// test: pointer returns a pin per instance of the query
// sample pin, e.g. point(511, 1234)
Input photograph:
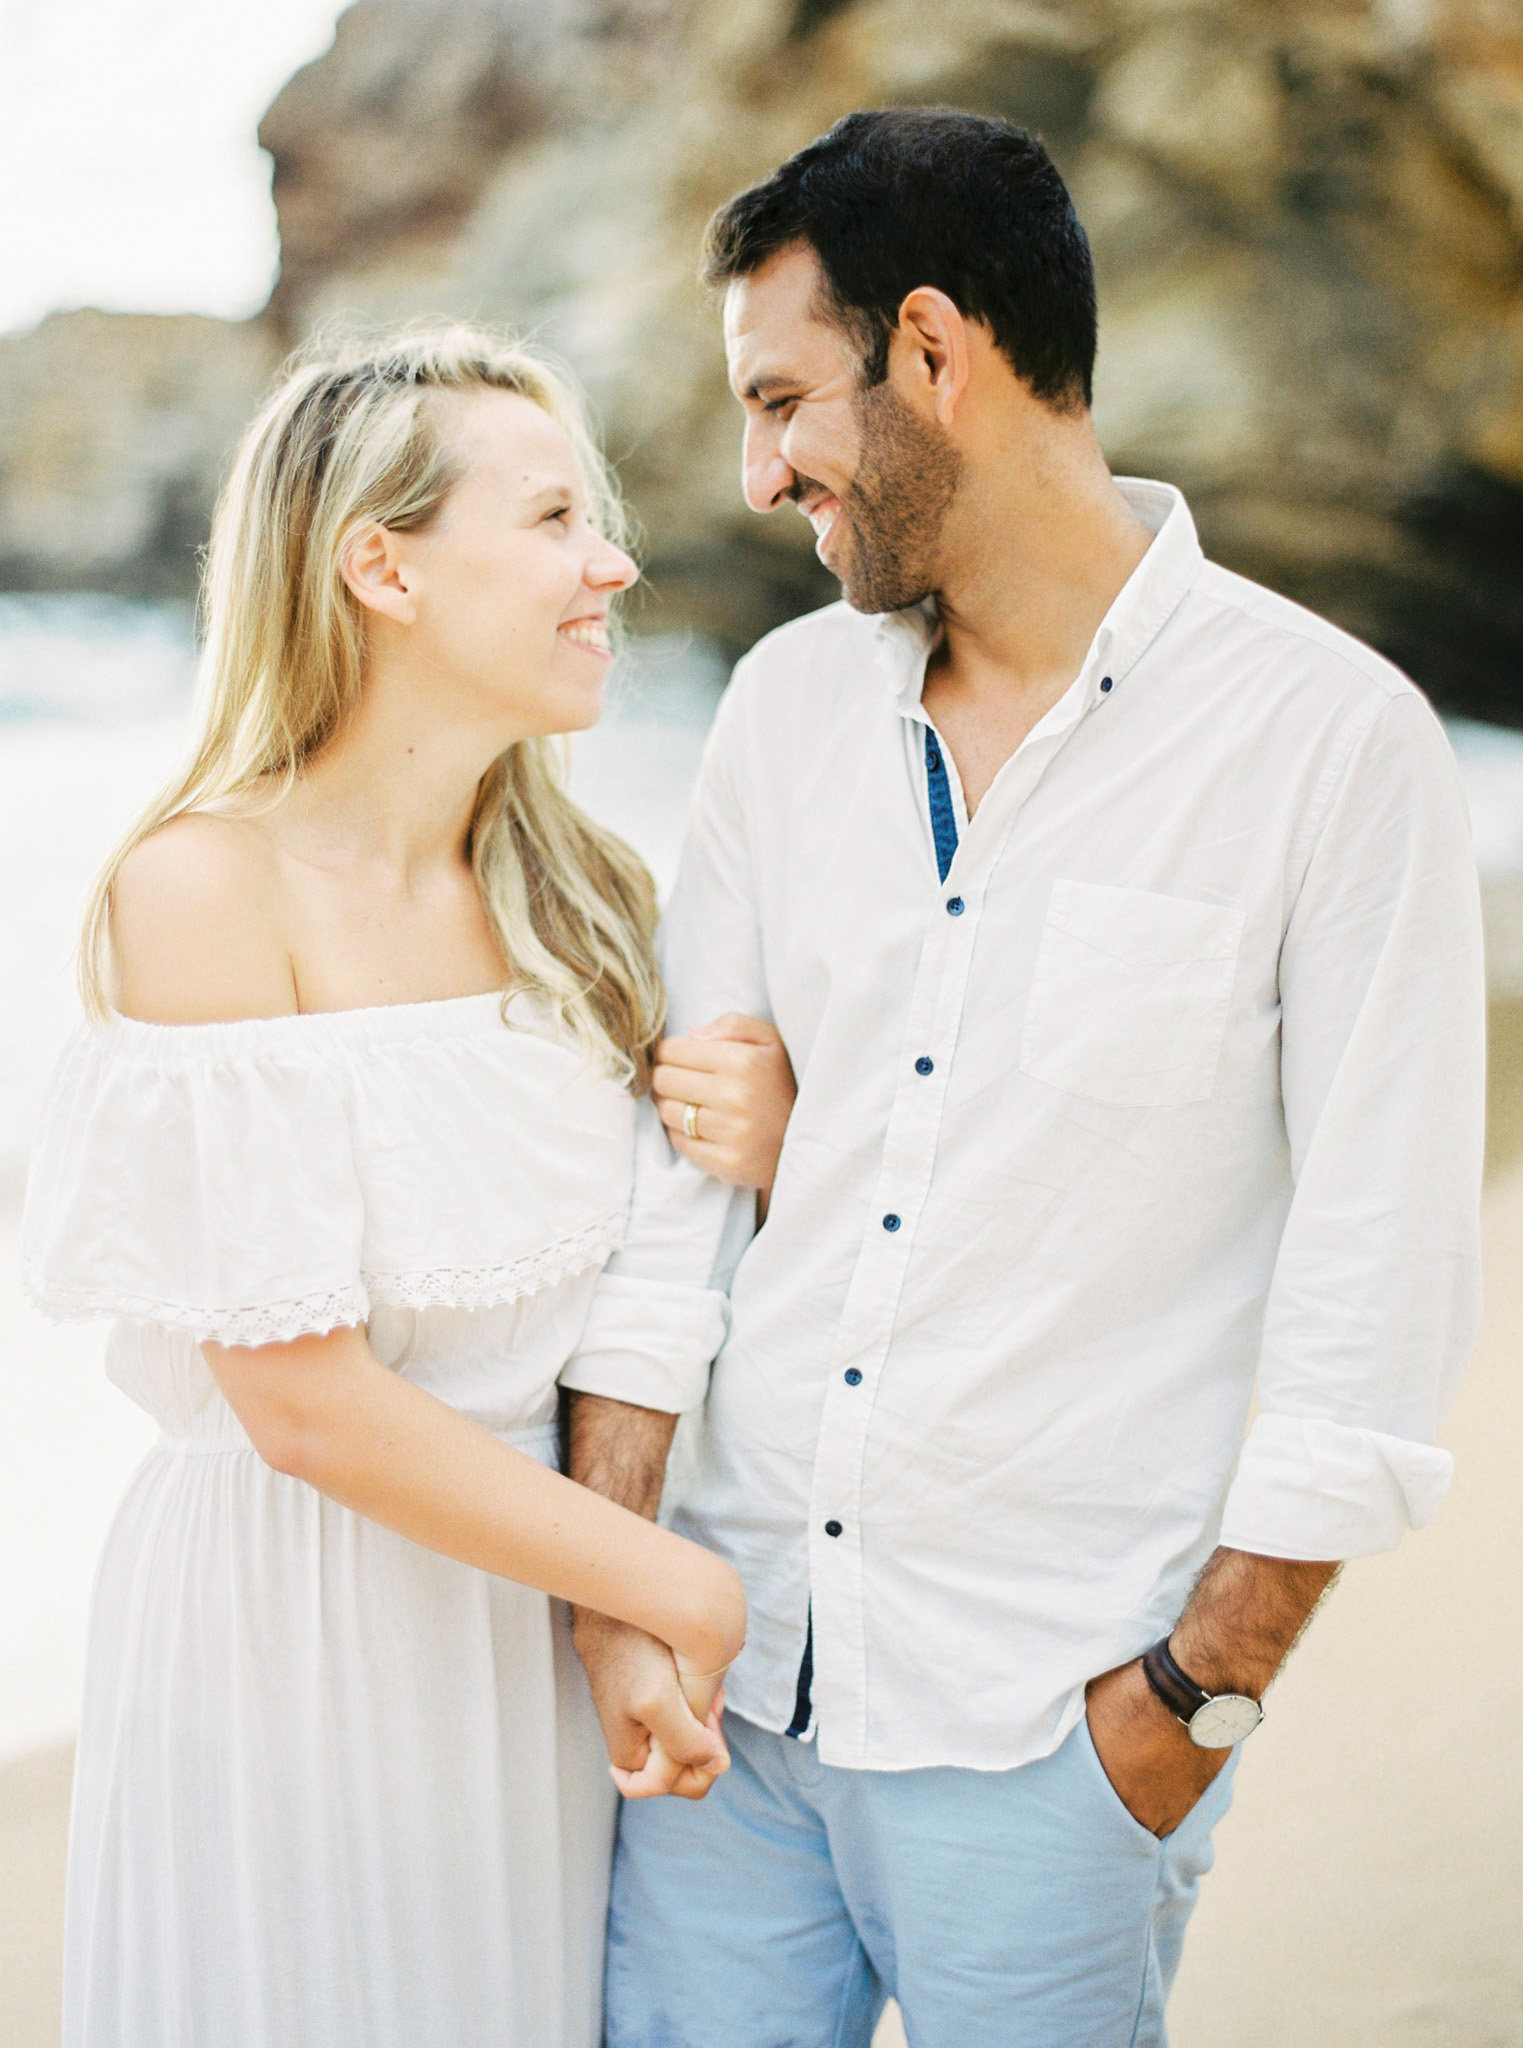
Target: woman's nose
point(611, 569)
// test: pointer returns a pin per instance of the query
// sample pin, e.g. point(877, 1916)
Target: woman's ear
point(372, 568)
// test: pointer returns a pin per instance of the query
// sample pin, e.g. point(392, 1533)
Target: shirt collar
point(1138, 614)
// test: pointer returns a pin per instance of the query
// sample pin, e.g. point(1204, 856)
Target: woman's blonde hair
point(347, 438)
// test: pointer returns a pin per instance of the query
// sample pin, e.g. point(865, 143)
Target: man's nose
point(766, 477)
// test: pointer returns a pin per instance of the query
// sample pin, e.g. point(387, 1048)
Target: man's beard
point(896, 504)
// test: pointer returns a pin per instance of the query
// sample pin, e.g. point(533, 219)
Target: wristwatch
point(1214, 1720)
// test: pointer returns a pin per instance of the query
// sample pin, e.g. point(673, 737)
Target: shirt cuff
point(1311, 1489)
point(648, 1342)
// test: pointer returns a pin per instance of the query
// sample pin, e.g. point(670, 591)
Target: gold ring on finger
point(689, 1119)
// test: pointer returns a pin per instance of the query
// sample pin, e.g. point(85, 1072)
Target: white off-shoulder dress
point(333, 1790)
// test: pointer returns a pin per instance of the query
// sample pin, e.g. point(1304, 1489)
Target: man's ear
point(932, 342)
point(374, 572)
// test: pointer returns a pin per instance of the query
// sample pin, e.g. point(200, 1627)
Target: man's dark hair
point(931, 196)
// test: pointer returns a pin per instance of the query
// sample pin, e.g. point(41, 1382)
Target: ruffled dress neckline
point(469, 1016)
point(277, 1177)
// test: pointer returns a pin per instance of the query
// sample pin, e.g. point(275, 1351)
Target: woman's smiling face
point(510, 583)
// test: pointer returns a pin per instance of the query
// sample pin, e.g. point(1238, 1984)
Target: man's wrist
point(1211, 1720)
point(618, 1450)
point(1127, 1700)
point(1215, 1672)
point(589, 1623)
point(1244, 1617)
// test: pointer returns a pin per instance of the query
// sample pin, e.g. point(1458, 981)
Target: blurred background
point(1307, 217)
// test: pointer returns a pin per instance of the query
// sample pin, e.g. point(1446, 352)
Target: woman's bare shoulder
point(197, 935)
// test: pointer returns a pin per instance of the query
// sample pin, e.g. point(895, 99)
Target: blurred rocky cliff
point(1307, 217)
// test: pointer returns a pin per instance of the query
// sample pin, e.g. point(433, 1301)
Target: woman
point(344, 1149)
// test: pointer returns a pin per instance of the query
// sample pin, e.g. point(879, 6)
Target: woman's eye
point(561, 512)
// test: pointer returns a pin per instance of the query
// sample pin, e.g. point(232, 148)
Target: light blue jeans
point(1003, 1909)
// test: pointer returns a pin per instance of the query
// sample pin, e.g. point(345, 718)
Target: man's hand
point(1242, 1621)
point(1157, 1772)
point(654, 1742)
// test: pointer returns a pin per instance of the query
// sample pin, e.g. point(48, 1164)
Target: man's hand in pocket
point(1157, 1772)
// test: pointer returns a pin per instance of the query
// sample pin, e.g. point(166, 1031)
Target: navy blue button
point(832, 1528)
point(954, 906)
point(933, 760)
point(1105, 682)
point(891, 1222)
point(924, 1065)
point(853, 1377)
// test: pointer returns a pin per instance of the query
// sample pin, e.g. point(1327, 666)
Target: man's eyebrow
point(769, 382)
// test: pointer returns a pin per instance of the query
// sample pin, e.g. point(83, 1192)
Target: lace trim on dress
point(492, 1286)
point(314, 1315)
point(273, 1322)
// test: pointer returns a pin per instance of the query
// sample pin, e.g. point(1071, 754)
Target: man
point(1121, 923)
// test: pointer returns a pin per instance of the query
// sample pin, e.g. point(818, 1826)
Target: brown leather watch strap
point(1179, 1692)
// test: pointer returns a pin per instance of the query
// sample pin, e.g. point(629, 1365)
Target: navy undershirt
point(939, 793)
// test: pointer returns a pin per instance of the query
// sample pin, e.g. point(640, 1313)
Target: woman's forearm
point(326, 1411)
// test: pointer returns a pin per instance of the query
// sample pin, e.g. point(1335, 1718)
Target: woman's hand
point(663, 1732)
point(735, 1076)
point(326, 1411)
point(662, 1775)
point(704, 1697)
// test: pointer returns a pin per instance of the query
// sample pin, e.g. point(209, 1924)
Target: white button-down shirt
point(1169, 1096)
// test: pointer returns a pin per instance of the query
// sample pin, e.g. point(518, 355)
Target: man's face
point(873, 472)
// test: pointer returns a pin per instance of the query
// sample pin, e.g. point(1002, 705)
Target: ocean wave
point(88, 657)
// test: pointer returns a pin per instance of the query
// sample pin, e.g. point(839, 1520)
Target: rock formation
point(1307, 217)
point(382, 148)
point(113, 431)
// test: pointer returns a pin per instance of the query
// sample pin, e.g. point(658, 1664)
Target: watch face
point(1224, 1721)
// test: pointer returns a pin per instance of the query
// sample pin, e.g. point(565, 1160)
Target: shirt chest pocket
point(1130, 993)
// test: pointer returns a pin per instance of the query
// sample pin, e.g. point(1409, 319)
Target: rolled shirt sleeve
point(655, 1323)
point(1375, 1299)
point(660, 1312)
